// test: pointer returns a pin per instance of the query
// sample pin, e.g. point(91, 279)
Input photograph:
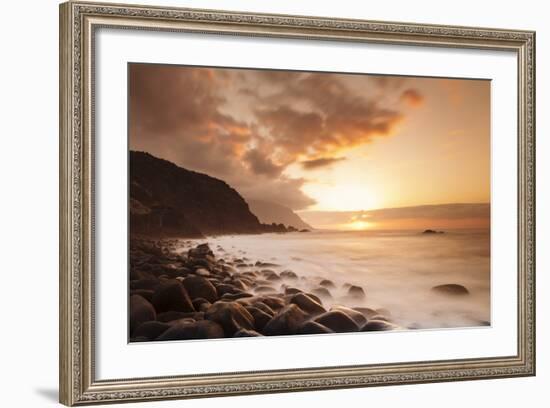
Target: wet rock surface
point(451, 289)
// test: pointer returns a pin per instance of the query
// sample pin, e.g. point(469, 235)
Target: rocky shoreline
point(196, 295)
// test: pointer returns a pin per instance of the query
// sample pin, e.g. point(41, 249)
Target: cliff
point(269, 213)
point(167, 200)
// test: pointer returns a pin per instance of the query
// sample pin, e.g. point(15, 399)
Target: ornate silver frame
point(78, 21)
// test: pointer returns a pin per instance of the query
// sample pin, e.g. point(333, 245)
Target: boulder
point(224, 288)
point(239, 283)
point(171, 295)
point(265, 289)
point(146, 293)
point(286, 322)
point(307, 304)
point(200, 287)
point(140, 311)
point(201, 251)
point(188, 330)
point(378, 325)
point(202, 272)
point(273, 302)
point(311, 327)
point(366, 311)
point(357, 317)
point(261, 318)
point(315, 297)
point(327, 283)
point(289, 275)
point(264, 308)
point(149, 284)
point(322, 292)
point(451, 289)
point(270, 275)
point(232, 316)
point(236, 296)
point(356, 292)
point(151, 330)
point(337, 321)
point(292, 291)
point(201, 304)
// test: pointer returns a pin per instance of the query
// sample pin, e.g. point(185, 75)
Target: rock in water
point(322, 292)
point(287, 321)
point(200, 287)
point(290, 275)
point(378, 325)
point(313, 328)
point(357, 317)
point(140, 311)
point(366, 311)
point(451, 289)
point(187, 330)
point(356, 292)
point(337, 321)
point(201, 251)
point(264, 308)
point(327, 283)
point(172, 296)
point(273, 302)
point(307, 304)
point(232, 316)
point(151, 330)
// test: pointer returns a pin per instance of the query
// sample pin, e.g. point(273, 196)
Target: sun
point(358, 225)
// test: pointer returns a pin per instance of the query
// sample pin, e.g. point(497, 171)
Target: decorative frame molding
point(78, 20)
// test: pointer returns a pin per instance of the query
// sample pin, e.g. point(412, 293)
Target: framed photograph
point(258, 203)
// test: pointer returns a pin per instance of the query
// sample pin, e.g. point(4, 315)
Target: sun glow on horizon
point(358, 225)
point(343, 197)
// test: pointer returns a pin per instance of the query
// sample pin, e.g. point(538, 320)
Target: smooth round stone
point(307, 304)
point(232, 316)
point(171, 295)
point(357, 317)
point(140, 311)
point(451, 289)
point(187, 330)
point(356, 292)
point(286, 322)
point(378, 325)
point(200, 287)
point(312, 327)
point(337, 321)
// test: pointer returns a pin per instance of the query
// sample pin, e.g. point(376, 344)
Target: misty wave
point(397, 270)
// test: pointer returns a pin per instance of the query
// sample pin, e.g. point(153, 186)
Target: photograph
point(268, 202)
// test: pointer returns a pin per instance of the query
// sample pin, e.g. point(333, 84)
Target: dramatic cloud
point(318, 163)
point(247, 126)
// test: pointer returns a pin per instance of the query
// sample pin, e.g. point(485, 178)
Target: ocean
point(396, 269)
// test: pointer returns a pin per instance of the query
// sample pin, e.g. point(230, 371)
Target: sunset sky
point(332, 147)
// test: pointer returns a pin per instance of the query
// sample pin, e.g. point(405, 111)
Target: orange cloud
point(322, 162)
point(247, 126)
point(412, 97)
